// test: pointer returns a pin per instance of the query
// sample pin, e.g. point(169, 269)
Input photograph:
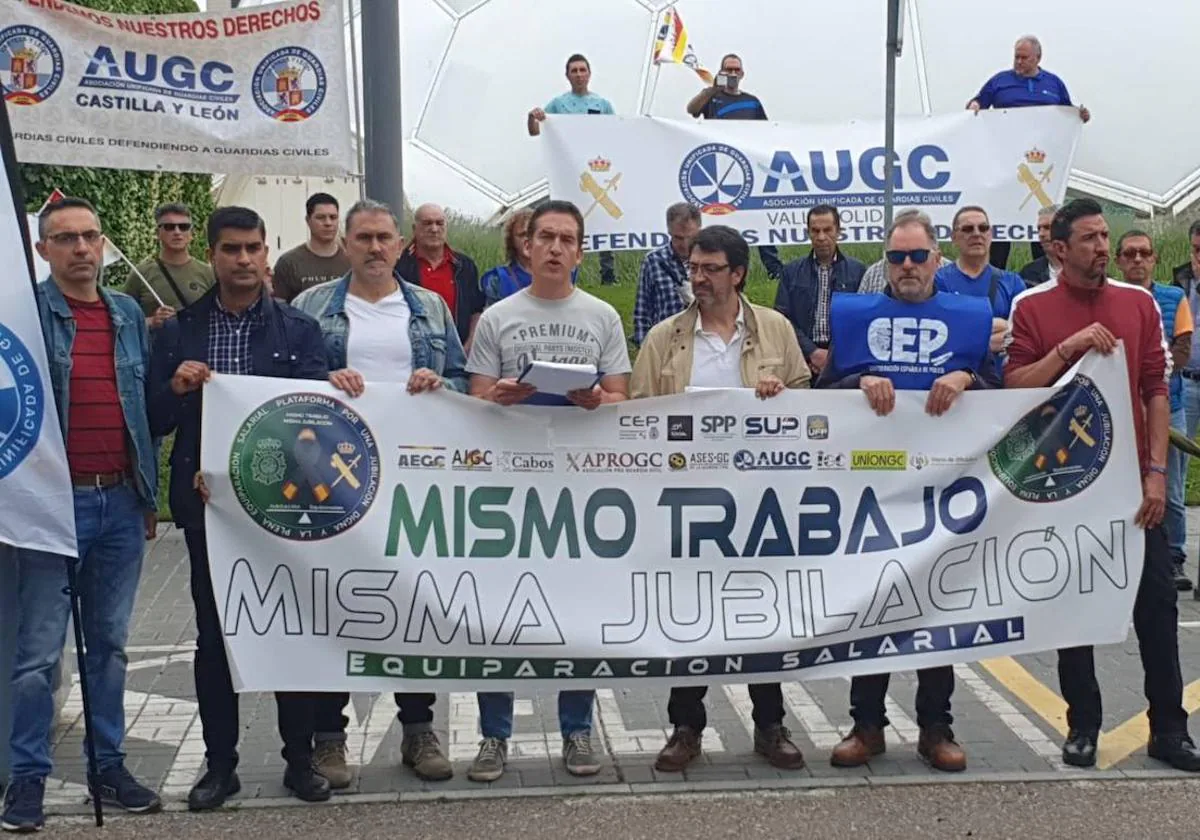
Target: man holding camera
point(725, 100)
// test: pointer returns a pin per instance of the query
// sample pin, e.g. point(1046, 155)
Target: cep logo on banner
point(909, 340)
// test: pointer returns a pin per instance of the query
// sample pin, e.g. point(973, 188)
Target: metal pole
point(889, 116)
point(80, 656)
point(383, 137)
point(357, 94)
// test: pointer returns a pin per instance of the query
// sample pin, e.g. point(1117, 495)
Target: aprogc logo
point(720, 179)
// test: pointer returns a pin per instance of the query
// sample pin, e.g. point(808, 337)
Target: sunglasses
point(919, 256)
point(182, 227)
point(1133, 253)
point(969, 229)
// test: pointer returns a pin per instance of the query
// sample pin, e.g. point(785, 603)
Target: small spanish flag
point(674, 47)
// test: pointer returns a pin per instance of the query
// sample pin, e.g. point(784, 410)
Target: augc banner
point(259, 90)
point(763, 177)
point(438, 542)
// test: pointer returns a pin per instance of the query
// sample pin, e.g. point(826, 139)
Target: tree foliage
point(125, 198)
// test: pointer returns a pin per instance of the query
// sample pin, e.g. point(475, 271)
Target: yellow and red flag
point(673, 46)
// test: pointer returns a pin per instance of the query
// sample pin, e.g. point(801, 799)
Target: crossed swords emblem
point(600, 194)
point(1035, 185)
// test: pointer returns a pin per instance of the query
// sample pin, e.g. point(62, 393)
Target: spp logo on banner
point(35, 65)
point(774, 426)
point(304, 467)
point(289, 84)
point(22, 402)
point(909, 340)
point(721, 179)
point(718, 426)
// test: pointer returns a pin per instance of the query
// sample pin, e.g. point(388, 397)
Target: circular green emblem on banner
point(1059, 449)
point(305, 466)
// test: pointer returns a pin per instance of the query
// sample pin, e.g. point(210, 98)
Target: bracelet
point(1155, 468)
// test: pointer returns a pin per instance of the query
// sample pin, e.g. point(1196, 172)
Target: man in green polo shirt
point(178, 278)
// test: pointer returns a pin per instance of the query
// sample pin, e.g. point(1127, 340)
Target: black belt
point(1193, 375)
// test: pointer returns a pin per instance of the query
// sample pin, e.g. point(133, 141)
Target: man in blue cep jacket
point(860, 359)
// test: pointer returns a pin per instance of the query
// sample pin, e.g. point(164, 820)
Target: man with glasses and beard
point(176, 277)
point(912, 258)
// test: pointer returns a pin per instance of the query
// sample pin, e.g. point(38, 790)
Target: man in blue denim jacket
point(380, 328)
point(97, 348)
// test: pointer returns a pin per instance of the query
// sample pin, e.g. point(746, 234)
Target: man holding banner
point(98, 349)
point(868, 334)
point(722, 341)
point(1052, 326)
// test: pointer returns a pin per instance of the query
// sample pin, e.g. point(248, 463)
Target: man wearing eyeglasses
point(97, 347)
point(176, 277)
point(971, 274)
point(912, 256)
point(1136, 259)
point(721, 340)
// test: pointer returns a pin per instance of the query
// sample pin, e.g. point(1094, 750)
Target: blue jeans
point(1176, 519)
point(111, 533)
point(8, 645)
point(496, 713)
point(1177, 463)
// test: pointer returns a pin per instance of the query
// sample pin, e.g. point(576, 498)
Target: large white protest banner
point(439, 542)
point(35, 483)
point(260, 90)
point(763, 177)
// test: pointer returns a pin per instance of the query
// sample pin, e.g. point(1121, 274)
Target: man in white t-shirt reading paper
point(550, 321)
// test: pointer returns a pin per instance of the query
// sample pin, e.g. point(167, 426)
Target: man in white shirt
point(378, 328)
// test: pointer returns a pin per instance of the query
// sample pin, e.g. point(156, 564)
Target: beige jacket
point(664, 364)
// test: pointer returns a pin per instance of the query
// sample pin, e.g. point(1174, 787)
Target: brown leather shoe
point(682, 748)
point(860, 746)
point(938, 747)
point(776, 744)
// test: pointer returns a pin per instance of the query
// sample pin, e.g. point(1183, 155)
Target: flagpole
point(648, 103)
point(359, 134)
point(134, 269)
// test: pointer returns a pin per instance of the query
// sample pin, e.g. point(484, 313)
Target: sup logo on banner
point(1059, 449)
point(21, 402)
point(35, 65)
point(305, 467)
point(289, 84)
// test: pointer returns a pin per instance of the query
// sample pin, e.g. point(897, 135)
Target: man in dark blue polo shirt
point(1024, 86)
point(725, 100)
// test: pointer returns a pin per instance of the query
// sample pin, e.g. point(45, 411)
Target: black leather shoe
point(1176, 750)
point(1079, 750)
point(306, 783)
point(214, 787)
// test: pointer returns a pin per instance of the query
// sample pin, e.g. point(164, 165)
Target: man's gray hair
point(369, 205)
point(1031, 40)
point(682, 212)
point(912, 218)
point(1048, 210)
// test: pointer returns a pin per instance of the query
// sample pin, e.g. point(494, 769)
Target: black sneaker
point(116, 786)
point(1177, 750)
point(1079, 750)
point(1183, 583)
point(23, 810)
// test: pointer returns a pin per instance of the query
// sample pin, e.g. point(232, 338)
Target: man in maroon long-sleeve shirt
point(1051, 327)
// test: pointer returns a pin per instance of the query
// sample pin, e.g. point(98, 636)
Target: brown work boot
point(860, 746)
point(423, 753)
point(938, 747)
point(681, 749)
point(329, 759)
point(775, 743)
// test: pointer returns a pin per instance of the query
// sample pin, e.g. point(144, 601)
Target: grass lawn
point(485, 246)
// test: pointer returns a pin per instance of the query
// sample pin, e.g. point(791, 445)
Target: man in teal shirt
point(578, 100)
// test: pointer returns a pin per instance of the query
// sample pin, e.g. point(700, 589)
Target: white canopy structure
point(472, 69)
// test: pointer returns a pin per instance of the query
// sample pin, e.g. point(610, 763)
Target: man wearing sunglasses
point(857, 360)
point(176, 277)
point(1136, 259)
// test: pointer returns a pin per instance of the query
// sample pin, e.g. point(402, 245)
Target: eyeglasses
point(66, 239)
point(1134, 253)
point(182, 227)
point(707, 269)
point(984, 227)
point(919, 256)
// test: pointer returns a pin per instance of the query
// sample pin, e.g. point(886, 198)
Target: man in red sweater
point(1052, 326)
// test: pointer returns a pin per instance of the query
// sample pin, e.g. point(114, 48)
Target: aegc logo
point(908, 340)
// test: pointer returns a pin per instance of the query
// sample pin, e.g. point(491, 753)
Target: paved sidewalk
point(1008, 717)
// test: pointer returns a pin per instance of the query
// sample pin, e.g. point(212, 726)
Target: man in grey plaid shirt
point(663, 287)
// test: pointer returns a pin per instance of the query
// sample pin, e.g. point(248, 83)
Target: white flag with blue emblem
point(35, 483)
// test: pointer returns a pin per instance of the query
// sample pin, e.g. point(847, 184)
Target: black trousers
point(214, 686)
point(331, 718)
point(934, 688)
point(998, 255)
point(686, 706)
point(1155, 617)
